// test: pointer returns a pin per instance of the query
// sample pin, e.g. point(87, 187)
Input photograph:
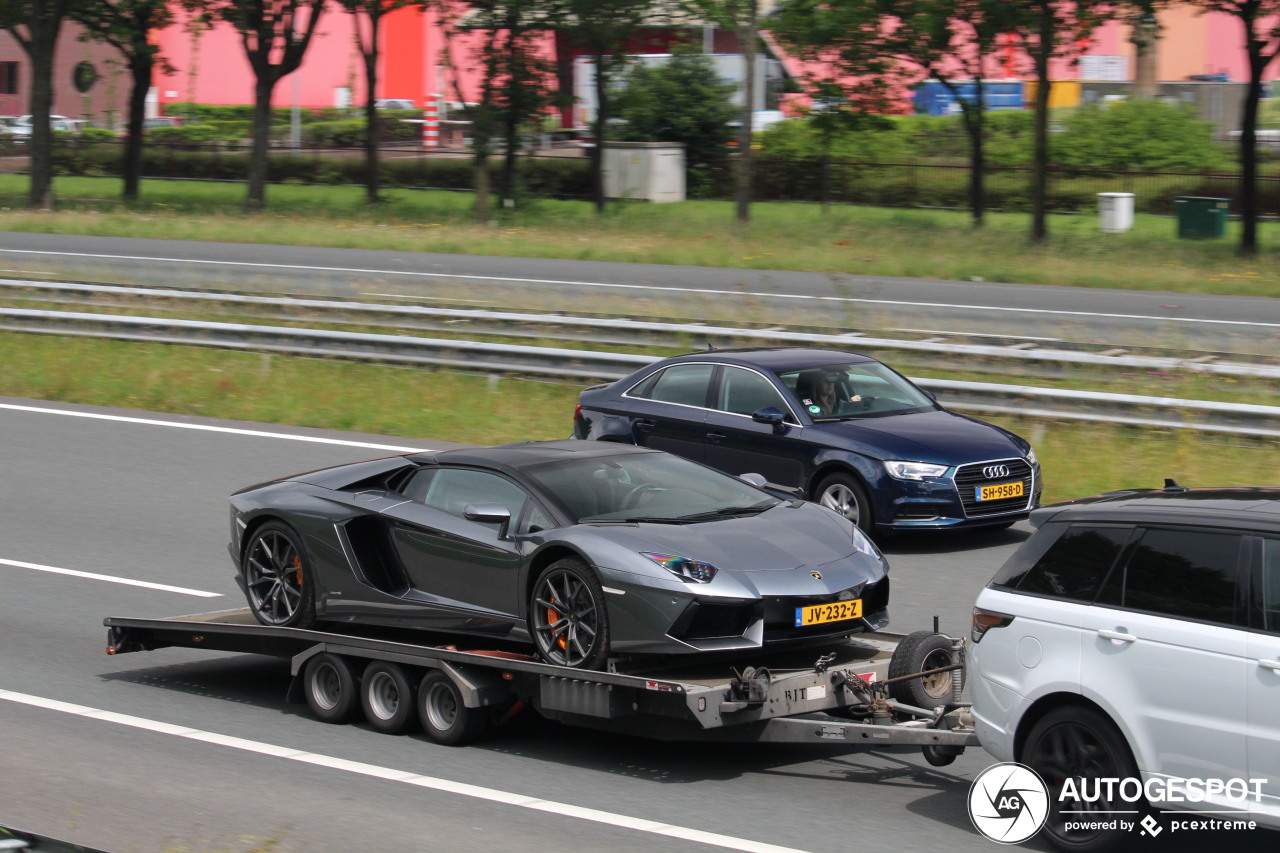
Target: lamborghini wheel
point(277, 577)
point(567, 616)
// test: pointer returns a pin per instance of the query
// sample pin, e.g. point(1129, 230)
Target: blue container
point(935, 99)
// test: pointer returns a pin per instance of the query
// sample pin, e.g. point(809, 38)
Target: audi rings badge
point(995, 472)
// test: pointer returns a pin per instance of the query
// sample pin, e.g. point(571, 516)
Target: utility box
point(653, 171)
point(1115, 212)
point(1200, 217)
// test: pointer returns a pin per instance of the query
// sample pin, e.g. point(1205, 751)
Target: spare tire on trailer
point(919, 652)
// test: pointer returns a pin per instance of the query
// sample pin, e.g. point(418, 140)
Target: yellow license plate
point(1000, 490)
point(836, 611)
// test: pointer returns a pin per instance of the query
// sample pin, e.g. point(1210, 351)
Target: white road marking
point(163, 587)
point(412, 273)
point(393, 775)
point(256, 433)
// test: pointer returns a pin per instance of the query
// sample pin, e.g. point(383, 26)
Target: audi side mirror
point(771, 416)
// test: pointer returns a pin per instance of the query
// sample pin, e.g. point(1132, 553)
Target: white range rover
point(1136, 635)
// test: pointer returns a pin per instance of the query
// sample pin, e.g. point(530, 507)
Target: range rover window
point(744, 392)
point(1192, 574)
point(1073, 567)
point(683, 384)
point(1271, 585)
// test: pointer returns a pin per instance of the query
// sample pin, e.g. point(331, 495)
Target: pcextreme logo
point(1008, 803)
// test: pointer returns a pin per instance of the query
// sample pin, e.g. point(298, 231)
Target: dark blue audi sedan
point(844, 429)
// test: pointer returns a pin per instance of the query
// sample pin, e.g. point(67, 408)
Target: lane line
point(209, 428)
point(163, 587)
point(391, 774)
point(712, 292)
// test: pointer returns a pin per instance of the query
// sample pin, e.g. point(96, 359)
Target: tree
point(743, 17)
point(35, 25)
point(871, 41)
point(130, 26)
point(1049, 29)
point(684, 101)
point(1258, 18)
point(371, 13)
point(601, 28)
point(513, 86)
point(275, 35)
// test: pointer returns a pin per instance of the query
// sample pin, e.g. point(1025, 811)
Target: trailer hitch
point(751, 685)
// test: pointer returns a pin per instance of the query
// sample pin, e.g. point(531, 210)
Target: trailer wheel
point(277, 577)
point(445, 718)
point(567, 616)
point(387, 697)
point(329, 683)
point(920, 651)
point(1078, 743)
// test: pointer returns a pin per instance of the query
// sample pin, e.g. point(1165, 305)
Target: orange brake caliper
point(552, 616)
point(297, 565)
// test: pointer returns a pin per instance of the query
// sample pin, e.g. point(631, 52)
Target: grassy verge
point(781, 236)
point(1078, 459)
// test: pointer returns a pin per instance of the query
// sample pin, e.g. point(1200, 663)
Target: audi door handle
point(716, 436)
point(645, 426)
point(1267, 663)
point(1117, 636)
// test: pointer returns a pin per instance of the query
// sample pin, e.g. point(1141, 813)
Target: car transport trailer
point(874, 690)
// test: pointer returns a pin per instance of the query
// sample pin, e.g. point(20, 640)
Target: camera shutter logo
point(1008, 803)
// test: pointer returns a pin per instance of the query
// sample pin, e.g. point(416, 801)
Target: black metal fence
point(562, 173)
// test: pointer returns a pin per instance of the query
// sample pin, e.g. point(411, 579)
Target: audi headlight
point(914, 470)
point(1031, 457)
point(683, 567)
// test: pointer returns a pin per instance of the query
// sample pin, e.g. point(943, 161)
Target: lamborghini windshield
point(856, 390)
point(650, 487)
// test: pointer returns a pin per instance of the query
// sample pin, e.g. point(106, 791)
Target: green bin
point(1200, 217)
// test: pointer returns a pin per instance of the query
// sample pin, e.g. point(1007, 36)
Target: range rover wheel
point(1078, 743)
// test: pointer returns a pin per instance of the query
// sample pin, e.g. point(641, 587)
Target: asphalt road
point(177, 749)
point(937, 308)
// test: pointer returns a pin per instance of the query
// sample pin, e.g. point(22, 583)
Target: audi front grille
point(970, 478)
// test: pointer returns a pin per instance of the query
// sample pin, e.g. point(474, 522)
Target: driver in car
point(826, 399)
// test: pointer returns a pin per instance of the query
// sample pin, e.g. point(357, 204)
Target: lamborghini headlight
point(683, 567)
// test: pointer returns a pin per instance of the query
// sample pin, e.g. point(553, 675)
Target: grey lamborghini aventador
point(585, 549)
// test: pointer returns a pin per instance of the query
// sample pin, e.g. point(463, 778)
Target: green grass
point(1078, 459)
point(781, 236)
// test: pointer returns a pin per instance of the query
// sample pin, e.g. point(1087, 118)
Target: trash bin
point(1201, 217)
point(1115, 212)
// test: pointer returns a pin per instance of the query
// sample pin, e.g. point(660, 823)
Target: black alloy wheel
point(1078, 743)
point(277, 577)
point(567, 616)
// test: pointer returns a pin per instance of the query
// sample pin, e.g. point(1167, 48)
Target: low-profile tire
point(329, 683)
point(918, 652)
point(279, 581)
point(567, 616)
point(1077, 742)
point(846, 495)
point(388, 697)
point(444, 717)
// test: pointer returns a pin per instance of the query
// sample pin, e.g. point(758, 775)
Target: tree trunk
point(1249, 153)
point(372, 178)
point(602, 117)
point(481, 181)
point(973, 120)
point(1040, 167)
point(40, 190)
point(256, 199)
point(742, 190)
point(140, 68)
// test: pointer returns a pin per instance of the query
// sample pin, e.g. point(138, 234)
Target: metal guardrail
point(610, 330)
point(584, 365)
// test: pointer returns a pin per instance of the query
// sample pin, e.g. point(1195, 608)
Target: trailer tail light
point(985, 620)
point(577, 412)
